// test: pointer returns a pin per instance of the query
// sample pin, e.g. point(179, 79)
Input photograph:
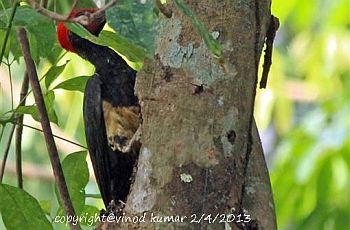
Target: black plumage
point(112, 85)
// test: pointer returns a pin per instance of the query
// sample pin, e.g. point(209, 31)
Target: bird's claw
point(136, 137)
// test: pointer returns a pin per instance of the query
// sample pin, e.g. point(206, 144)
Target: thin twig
point(11, 83)
point(43, 3)
point(84, 19)
point(19, 131)
point(270, 36)
point(8, 30)
point(55, 136)
point(19, 121)
point(2, 131)
point(24, 98)
point(74, 4)
point(45, 123)
point(4, 9)
point(35, 171)
point(6, 153)
point(104, 8)
point(42, 10)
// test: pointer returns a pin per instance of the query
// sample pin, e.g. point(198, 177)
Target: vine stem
point(7, 149)
point(55, 136)
point(19, 131)
point(19, 124)
point(8, 30)
point(45, 123)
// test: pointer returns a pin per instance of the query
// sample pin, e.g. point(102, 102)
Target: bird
point(111, 110)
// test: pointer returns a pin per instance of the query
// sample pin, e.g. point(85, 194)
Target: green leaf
point(6, 118)
point(41, 30)
point(74, 84)
point(29, 109)
point(53, 73)
point(133, 53)
point(46, 206)
point(120, 44)
point(19, 210)
point(76, 173)
point(49, 99)
point(212, 44)
point(6, 4)
point(91, 212)
point(137, 21)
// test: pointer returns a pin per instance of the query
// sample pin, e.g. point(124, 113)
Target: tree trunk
point(201, 158)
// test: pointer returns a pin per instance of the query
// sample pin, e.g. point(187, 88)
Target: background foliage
point(302, 115)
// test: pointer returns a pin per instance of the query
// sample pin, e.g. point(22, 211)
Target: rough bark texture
point(198, 154)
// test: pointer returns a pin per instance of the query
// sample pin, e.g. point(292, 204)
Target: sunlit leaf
point(74, 84)
point(46, 206)
point(31, 110)
point(53, 73)
point(133, 53)
point(49, 99)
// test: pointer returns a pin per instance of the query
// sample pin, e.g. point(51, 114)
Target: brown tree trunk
point(201, 155)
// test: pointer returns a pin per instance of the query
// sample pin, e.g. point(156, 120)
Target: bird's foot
point(117, 142)
point(135, 139)
point(122, 143)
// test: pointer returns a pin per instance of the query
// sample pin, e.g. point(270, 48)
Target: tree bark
point(201, 153)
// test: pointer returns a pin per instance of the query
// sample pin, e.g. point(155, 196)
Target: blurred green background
point(303, 117)
point(304, 114)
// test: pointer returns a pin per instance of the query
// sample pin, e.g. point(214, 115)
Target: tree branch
point(50, 142)
point(271, 33)
point(84, 19)
point(19, 131)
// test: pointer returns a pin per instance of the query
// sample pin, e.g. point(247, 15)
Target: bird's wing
point(95, 132)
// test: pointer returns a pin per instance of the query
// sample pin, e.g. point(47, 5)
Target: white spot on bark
point(187, 178)
point(250, 190)
point(227, 226)
point(142, 197)
point(221, 101)
point(215, 34)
